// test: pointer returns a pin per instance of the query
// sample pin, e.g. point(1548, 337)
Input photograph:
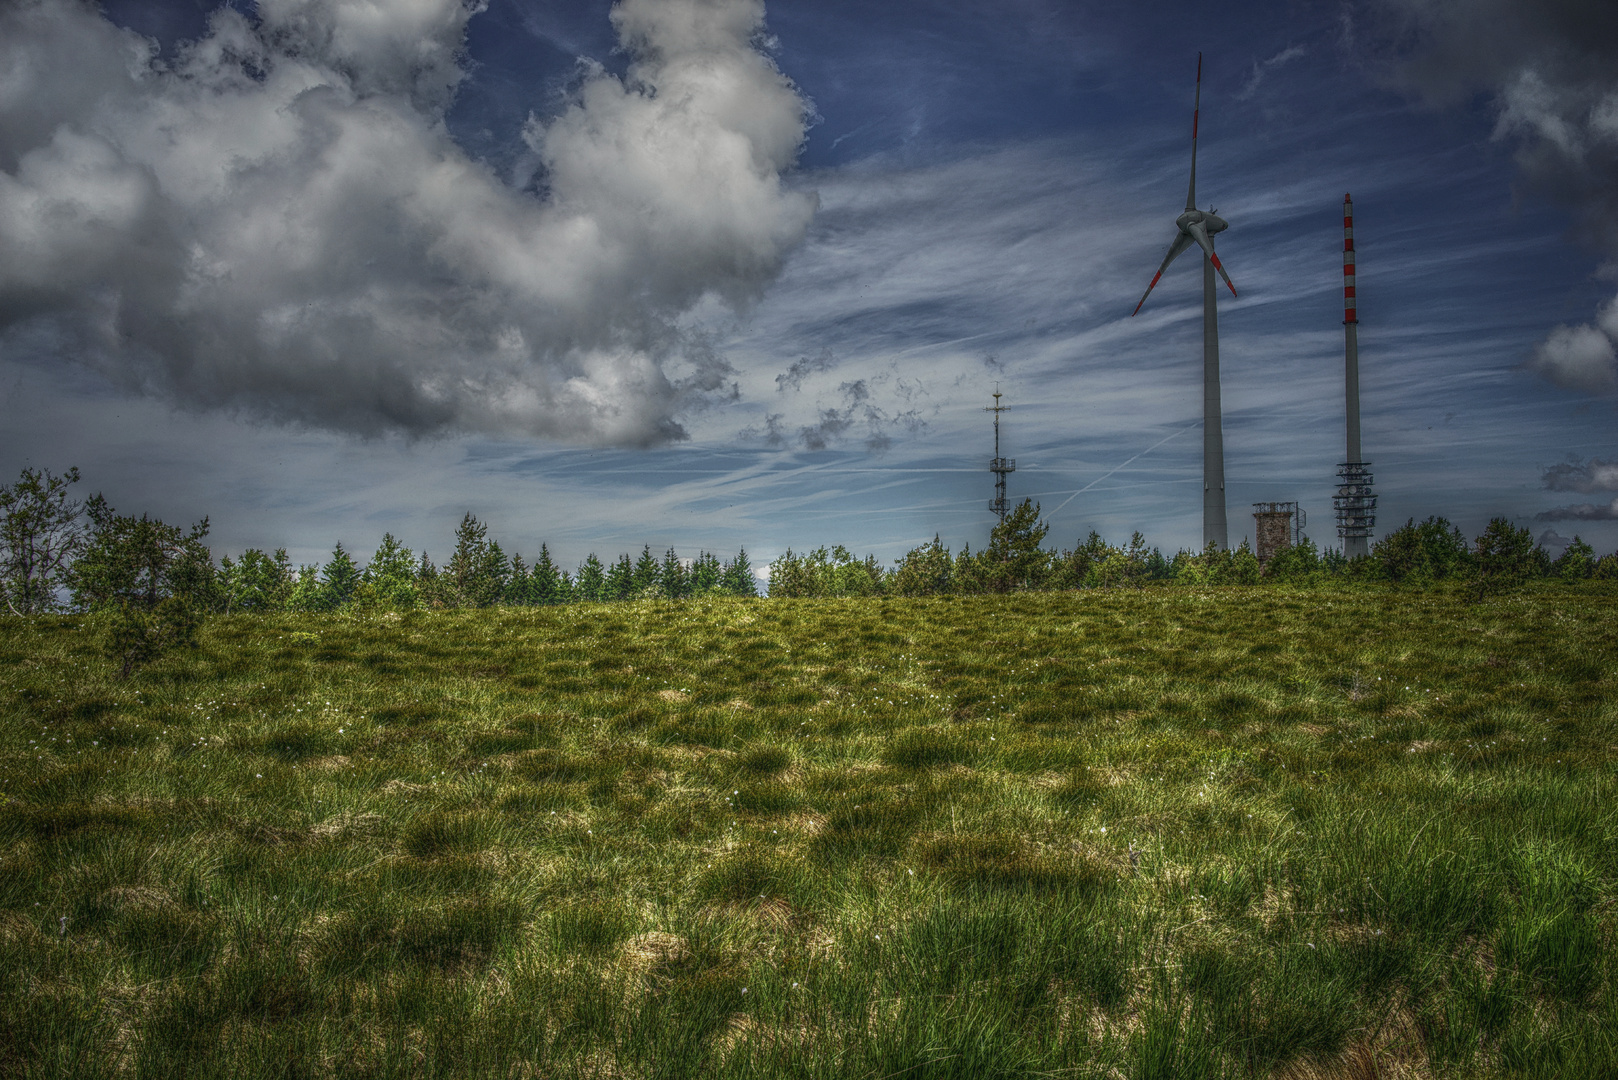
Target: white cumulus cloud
point(275, 222)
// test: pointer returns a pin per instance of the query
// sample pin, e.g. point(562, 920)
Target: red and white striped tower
point(1355, 502)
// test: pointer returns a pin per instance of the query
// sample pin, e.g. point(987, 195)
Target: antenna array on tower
point(998, 465)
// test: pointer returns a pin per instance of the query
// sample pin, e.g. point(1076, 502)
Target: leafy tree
point(141, 561)
point(1503, 559)
point(40, 535)
point(147, 584)
point(673, 583)
point(591, 582)
point(924, 570)
point(1014, 559)
point(258, 582)
point(790, 576)
point(1191, 568)
point(1422, 554)
point(1606, 568)
point(392, 575)
point(1240, 567)
point(737, 578)
point(1076, 569)
point(338, 579)
point(1294, 563)
point(1577, 562)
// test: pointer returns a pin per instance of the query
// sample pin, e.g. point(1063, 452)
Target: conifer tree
point(591, 583)
point(545, 581)
point(737, 578)
point(648, 574)
point(338, 579)
point(308, 592)
point(519, 586)
point(256, 582)
point(478, 569)
point(620, 580)
point(705, 574)
point(392, 575)
point(673, 582)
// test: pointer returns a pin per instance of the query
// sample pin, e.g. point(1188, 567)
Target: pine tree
point(1014, 559)
point(308, 592)
point(520, 585)
point(620, 580)
point(478, 569)
point(257, 582)
point(648, 574)
point(737, 578)
point(338, 579)
point(1503, 558)
point(591, 584)
point(706, 574)
point(672, 580)
point(924, 570)
point(1577, 562)
point(392, 575)
point(544, 581)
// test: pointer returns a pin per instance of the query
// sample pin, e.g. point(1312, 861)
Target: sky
point(716, 274)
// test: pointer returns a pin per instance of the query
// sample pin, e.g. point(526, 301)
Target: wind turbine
point(1198, 227)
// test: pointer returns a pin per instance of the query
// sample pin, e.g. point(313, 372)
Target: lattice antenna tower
point(1355, 501)
point(998, 465)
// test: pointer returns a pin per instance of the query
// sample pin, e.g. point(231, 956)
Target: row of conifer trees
point(1416, 554)
point(478, 573)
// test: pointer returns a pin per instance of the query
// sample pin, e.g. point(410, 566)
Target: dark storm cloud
point(1581, 512)
point(274, 221)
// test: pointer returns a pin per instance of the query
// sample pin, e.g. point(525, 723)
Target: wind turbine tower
point(1355, 501)
point(1198, 227)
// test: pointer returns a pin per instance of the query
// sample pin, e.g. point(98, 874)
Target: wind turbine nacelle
point(1210, 222)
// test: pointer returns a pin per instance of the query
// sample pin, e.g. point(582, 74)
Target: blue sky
point(991, 187)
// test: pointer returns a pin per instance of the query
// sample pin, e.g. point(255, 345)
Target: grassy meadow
point(1185, 833)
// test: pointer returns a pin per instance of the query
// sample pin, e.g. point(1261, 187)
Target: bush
point(134, 635)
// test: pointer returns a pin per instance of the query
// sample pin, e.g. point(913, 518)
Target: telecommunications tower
point(1355, 500)
point(998, 465)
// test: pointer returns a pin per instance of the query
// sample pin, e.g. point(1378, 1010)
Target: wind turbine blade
point(1196, 112)
point(1200, 234)
point(1181, 242)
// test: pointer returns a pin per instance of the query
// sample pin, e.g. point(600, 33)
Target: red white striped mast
point(1355, 502)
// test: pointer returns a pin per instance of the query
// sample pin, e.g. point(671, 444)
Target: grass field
point(1166, 833)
